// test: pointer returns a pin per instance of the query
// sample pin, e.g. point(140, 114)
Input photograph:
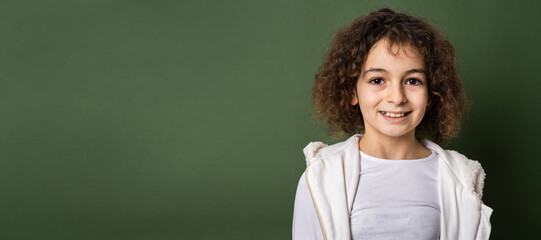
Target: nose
point(395, 94)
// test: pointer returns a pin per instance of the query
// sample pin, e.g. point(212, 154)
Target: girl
point(393, 76)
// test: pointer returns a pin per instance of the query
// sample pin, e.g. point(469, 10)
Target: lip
point(394, 119)
point(396, 112)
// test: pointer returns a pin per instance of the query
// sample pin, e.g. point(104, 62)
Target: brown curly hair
point(336, 79)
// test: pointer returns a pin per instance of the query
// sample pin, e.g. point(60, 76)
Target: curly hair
point(336, 79)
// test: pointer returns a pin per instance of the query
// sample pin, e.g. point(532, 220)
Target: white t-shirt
point(395, 199)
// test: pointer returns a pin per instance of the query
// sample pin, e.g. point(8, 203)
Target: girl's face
point(392, 90)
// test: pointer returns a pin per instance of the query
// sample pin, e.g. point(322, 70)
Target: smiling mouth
point(395, 115)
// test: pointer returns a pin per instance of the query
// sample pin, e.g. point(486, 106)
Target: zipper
point(323, 228)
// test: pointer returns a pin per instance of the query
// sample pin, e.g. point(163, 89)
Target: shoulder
point(312, 150)
point(473, 172)
point(316, 151)
point(469, 172)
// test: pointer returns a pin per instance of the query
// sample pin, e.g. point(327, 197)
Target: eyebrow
point(381, 70)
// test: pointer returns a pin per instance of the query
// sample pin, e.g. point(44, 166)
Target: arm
point(305, 219)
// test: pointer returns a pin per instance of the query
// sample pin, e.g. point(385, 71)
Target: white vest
point(333, 172)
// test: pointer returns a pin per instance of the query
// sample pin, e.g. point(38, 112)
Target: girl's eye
point(376, 81)
point(414, 81)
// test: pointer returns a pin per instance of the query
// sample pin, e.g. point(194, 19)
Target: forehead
point(384, 54)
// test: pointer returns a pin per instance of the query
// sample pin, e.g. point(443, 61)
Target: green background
point(186, 120)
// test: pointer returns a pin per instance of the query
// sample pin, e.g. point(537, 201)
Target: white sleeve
point(305, 219)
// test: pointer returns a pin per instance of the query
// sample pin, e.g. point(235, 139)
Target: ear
point(354, 100)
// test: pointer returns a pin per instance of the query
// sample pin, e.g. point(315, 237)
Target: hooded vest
point(333, 173)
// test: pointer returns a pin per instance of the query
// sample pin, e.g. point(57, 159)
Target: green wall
point(186, 120)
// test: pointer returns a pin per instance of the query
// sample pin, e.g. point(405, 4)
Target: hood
point(469, 172)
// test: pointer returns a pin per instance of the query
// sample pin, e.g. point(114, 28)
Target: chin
point(399, 133)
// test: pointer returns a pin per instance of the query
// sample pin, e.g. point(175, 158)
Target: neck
point(394, 148)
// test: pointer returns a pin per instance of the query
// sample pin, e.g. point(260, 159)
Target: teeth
point(388, 114)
